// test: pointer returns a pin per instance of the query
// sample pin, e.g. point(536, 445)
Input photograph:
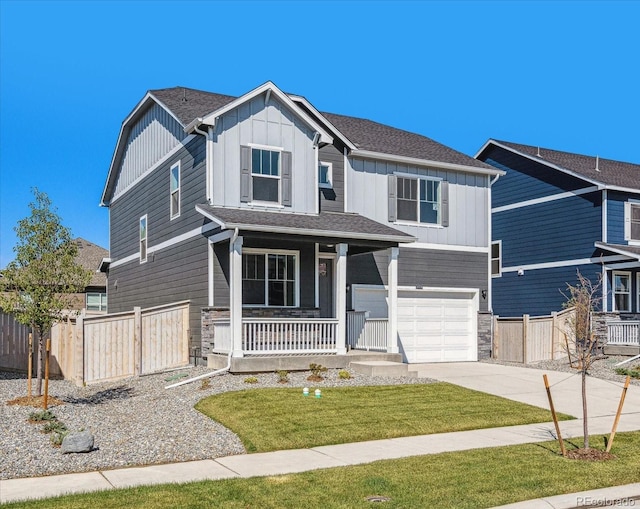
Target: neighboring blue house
point(554, 213)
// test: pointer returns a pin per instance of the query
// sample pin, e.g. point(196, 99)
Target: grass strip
point(273, 419)
point(475, 479)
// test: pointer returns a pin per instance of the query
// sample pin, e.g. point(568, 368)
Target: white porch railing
point(366, 333)
point(625, 332)
point(265, 336)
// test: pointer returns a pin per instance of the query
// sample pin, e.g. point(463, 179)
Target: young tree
point(38, 285)
point(582, 342)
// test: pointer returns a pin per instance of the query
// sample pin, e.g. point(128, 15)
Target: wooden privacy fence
point(530, 339)
point(90, 349)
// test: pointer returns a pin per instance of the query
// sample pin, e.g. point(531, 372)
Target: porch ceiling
point(331, 225)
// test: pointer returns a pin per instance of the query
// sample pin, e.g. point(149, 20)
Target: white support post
point(235, 295)
point(392, 329)
point(341, 298)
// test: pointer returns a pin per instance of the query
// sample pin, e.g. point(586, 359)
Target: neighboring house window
point(632, 221)
point(496, 258)
point(269, 279)
point(96, 301)
point(325, 174)
point(143, 239)
point(265, 176)
point(417, 199)
point(175, 190)
point(622, 291)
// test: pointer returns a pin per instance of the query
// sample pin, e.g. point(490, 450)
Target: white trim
point(638, 292)
point(546, 199)
point(210, 259)
point(178, 190)
point(288, 252)
point(604, 219)
point(628, 265)
point(615, 273)
point(564, 263)
point(619, 250)
point(154, 167)
point(328, 185)
point(176, 240)
point(489, 237)
point(210, 118)
point(405, 288)
point(419, 201)
point(491, 258)
point(272, 148)
point(605, 291)
point(317, 274)
point(367, 154)
point(345, 191)
point(447, 247)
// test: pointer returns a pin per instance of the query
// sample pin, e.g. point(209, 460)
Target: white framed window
point(621, 291)
point(270, 278)
point(638, 292)
point(496, 258)
point(632, 222)
point(265, 174)
point(325, 175)
point(143, 239)
point(175, 190)
point(418, 199)
point(96, 301)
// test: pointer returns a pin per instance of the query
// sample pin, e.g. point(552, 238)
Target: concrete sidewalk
point(520, 384)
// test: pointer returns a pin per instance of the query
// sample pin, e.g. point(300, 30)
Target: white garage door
point(433, 326)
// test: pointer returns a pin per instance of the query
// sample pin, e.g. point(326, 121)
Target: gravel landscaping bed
point(135, 421)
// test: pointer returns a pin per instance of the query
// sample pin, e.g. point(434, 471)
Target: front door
point(325, 287)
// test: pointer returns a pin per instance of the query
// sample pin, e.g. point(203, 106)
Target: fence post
point(137, 340)
point(525, 337)
point(78, 350)
point(496, 336)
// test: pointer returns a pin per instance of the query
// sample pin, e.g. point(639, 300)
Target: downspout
point(490, 302)
point(217, 371)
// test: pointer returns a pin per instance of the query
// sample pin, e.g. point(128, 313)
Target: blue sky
point(561, 75)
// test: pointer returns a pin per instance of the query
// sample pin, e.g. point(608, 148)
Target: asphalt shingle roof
point(89, 256)
point(188, 104)
point(329, 224)
point(610, 172)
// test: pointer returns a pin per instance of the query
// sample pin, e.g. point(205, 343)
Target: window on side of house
point(143, 239)
point(96, 301)
point(175, 190)
point(634, 220)
point(270, 279)
point(496, 258)
point(622, 291)
point(418, 199)
point(265, 173)
point(325, 176)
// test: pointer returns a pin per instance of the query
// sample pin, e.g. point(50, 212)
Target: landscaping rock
point(81, 441)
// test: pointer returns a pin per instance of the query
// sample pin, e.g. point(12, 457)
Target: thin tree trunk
point(585, 425)
point(40, 365)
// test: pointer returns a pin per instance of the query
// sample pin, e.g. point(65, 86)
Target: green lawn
point(272, 419)
point(469, 479)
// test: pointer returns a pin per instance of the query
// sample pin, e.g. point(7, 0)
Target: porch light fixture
point(484, 294)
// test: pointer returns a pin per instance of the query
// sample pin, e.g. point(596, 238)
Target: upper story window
point(325, 176)
point(269, 278)
point(419, 200)
point(622, 291)
point(265, 176)
point(96, 301)
point(143, 239)
point(175, 190)
point(632, 222)
point(496, 258)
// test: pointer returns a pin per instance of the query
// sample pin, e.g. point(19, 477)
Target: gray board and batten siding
point(426, 268)
point(177, 272)
point(332, 199)
point(368, 194)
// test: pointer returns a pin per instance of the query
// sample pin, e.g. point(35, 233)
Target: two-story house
point(555, 213)
point(292, 231)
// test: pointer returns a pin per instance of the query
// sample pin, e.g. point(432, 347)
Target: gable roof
point(89, 257)
point(610, 173)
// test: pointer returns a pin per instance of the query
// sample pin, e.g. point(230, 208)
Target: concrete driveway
point(527, 386)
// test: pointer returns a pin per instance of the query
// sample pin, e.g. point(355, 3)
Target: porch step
point(382, 368)
point(629, 350)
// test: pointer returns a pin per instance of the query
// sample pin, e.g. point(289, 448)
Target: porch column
point(341, 298)
point(392, 326)
point(235, 295)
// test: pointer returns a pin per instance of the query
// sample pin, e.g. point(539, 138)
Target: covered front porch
point(279, 291)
